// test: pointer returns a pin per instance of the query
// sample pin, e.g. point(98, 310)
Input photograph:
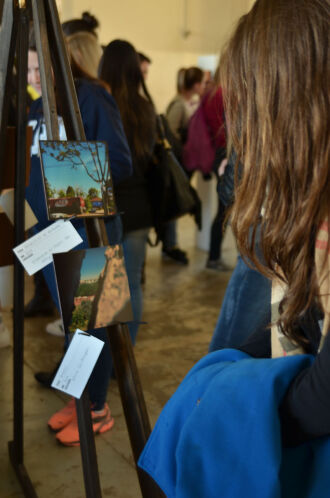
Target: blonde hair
point(85, 50)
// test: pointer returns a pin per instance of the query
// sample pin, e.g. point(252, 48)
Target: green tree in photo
point(80, 316)
point(50, 192)
point(61, 193)
point(87, 289)
point(88, 204)
point(93, 192)
point(70, 192)
point(79, 192)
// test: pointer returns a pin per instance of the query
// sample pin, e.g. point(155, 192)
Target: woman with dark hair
point(178, 113)
point(234, 416)
point(120, 69)
point(102, 121)
point(183, 105)
point(87, 22)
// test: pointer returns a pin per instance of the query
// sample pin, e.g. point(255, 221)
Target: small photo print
point(93, 288)
point(77, 179)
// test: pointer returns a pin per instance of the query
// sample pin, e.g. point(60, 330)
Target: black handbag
point(171, 194)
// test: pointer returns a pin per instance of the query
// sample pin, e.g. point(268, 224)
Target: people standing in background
point(101, 121)
point(208, 82)
point(182, 107)
point(87, 22)
point(41, 303)
point(85, 50)
point(120, 69)
point(212, 106)
point(178, 113)
point(180, 80)
point(205, 151)
point(33, 75)
point(145, 62)
point(82, 41)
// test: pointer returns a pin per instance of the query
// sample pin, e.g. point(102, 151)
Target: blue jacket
point(219, 436)
point(102, 121)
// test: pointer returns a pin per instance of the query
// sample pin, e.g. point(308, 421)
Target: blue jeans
point(134, 246)
point(245, 309)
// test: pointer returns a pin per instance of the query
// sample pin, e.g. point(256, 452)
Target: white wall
point(156, 28)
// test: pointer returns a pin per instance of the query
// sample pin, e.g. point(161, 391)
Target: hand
point(222, 167)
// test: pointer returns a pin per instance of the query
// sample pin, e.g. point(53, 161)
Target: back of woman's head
point(275, 73)
point(192, 75)
point(180, 79)
point(87, 22)
point(85, 50)
point(120, 68)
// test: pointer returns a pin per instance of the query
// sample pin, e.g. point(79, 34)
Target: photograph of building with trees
point(77, 179)
point(93, 288)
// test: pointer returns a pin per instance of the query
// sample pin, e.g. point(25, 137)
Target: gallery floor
point(181, 308)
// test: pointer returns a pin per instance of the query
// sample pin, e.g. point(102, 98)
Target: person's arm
point(305, 411)
point(258, 344)
point(174, 115)
point(102, 121)
point(226, 185)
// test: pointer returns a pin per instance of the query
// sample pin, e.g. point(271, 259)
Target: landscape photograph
point(77, 179)
point(93, 288)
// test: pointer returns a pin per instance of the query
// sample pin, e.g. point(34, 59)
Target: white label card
point(36, 252)
point(77, 364)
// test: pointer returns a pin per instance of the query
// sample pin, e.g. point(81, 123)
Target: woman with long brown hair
point(276, 82)
point(275, 75)
point(120, 69)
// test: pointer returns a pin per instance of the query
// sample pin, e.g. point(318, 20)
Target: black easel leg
point(16, 447)
point(49, 21)
point(22, 48)
point(8, 36)
point(133, 402)
point(87, 444)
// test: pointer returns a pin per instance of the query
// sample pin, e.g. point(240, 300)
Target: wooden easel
point(14, 33)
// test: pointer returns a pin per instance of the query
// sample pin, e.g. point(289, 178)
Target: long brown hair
point(120, 68)
point(275, 73)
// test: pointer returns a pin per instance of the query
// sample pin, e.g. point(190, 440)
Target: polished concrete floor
point(181, 309)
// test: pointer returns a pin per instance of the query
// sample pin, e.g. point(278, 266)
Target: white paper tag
point(36, 252)
point(77, 364)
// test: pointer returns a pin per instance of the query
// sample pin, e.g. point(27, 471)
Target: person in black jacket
point(120, 69)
